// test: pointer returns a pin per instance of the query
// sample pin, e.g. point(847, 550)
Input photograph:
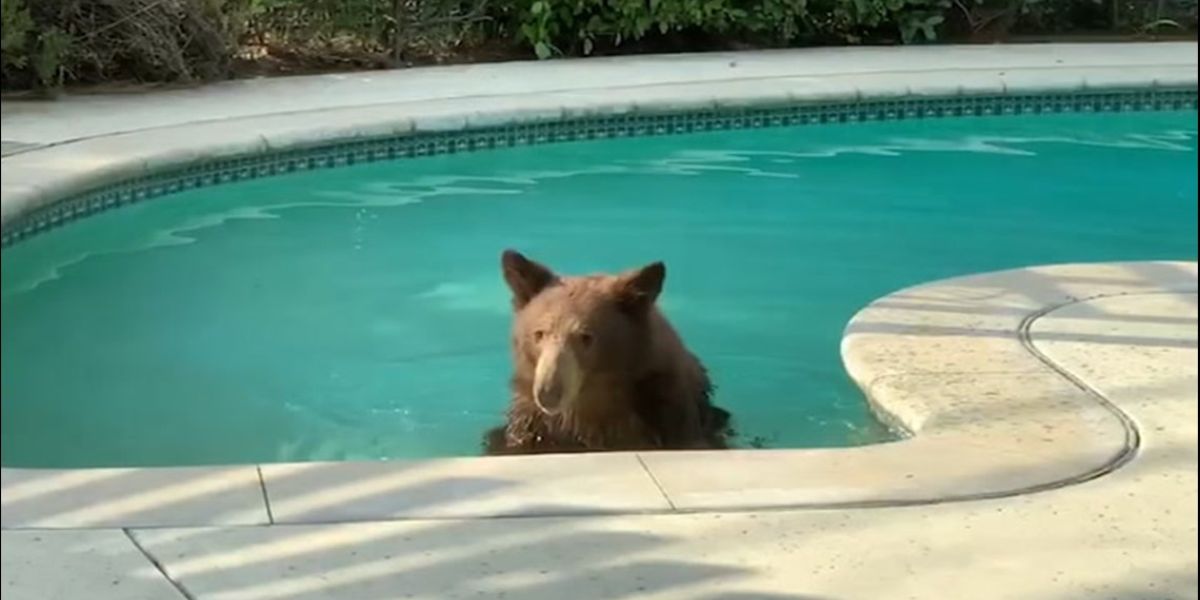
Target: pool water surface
point(359, 312)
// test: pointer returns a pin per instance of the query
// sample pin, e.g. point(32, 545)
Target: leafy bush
point(32, 52)
point(364, 27)
point(47, 42)
point(1131, 16)
point(559, 27)
point(552, 27)
point(913, 20)
point(578, 26)
point(16, 27)
point(364, 23)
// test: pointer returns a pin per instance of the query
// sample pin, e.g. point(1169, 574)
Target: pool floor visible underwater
point(359, 312)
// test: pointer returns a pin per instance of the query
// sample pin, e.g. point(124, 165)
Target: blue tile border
point(359, 151)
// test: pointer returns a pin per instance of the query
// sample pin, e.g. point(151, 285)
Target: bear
point(597, 367)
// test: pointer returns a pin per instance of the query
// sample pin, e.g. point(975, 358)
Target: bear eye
point(538, 335)
point(585, 339)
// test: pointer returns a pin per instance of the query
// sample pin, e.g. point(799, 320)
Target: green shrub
point(16, 28)
point(552, 27)
point(576, 26)
point(1128, 16)
point(46, 42)
point(912, 20)
point(364, 23)
point(34, 56)
point(364, 27)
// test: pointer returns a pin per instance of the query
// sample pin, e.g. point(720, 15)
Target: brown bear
point(597, 367)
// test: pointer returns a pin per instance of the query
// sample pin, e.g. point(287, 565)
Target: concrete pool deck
point(1053, 409)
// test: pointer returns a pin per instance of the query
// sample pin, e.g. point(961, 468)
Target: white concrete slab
point(68, 565)
point(72, 498)
point(458, 487)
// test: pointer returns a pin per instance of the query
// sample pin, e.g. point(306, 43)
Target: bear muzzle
point(556, 379)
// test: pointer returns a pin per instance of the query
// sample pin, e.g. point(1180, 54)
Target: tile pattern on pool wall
point(419, 144)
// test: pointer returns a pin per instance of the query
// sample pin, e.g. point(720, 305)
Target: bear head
point(577, 340)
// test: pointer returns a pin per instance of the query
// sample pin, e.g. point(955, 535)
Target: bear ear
point(524, 277)
point(638, 289)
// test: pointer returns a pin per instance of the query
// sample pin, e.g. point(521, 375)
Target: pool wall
point(949, 361)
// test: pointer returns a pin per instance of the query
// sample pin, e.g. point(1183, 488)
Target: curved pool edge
point(952, 361)
point(43, 173)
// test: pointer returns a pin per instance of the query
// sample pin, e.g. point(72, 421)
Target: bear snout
point(548, 396)
point(556, 379)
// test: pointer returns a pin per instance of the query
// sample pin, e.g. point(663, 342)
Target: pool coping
point(949, 361)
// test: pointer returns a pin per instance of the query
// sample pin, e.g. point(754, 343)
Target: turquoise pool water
point(358, 313)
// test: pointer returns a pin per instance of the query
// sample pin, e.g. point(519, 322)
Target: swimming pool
point(358, 312)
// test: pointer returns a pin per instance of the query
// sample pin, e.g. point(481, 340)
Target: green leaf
point(542, 50)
